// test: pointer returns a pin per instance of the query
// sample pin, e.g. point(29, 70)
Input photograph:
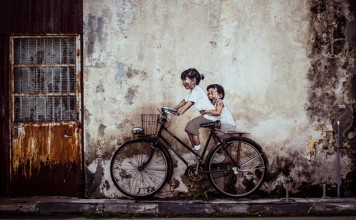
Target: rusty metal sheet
point(46, 159)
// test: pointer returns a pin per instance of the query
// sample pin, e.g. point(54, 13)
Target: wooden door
point(46, 146)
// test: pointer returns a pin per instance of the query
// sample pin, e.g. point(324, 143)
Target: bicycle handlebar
point(169, 110)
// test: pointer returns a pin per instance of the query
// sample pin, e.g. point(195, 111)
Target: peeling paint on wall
point(330, 78)
point(287, 68)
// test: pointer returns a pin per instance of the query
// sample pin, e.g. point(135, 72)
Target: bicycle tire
point(237, 176)
point(129, 175)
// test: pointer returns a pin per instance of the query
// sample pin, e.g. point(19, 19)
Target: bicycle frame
point(200, 157)
point(160, 137)
point(146, 162)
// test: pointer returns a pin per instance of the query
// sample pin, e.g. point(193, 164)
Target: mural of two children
point(211, 106)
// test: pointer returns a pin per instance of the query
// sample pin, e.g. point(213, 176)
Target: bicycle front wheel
point(237, 168)
point(139, 168)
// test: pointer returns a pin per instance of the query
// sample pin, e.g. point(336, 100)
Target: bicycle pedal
point(192, 185)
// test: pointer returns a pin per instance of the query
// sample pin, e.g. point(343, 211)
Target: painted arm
point(216, 112)
point(183, 106)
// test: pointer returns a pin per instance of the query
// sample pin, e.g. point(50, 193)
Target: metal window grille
point(44, 74)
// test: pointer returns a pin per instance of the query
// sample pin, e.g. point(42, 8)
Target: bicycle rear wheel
point(139, 168)
point(238, 168)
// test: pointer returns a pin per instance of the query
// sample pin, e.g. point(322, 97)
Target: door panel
point(46, 149)
point(46, 159)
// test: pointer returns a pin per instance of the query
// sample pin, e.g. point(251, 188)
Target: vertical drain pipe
point(288, 181)
point(338, 160)
point(341, 123)
point(324, 191)
point(287, 191)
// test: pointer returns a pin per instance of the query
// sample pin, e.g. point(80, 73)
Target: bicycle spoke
point(144, 187)
point(134, 183)
point(138, 170)
point(247, 173)
point(250, 160)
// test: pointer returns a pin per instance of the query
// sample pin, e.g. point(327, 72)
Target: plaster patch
point(125, 13)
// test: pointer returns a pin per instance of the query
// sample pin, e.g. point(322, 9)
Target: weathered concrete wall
point(284, 82)
point(330, 95)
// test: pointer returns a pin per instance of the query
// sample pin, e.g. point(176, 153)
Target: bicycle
point(142, 166)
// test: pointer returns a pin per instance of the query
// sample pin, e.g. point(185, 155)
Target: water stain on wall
point(93, 181)
point(332, 89)
point(121, 70)
point(96, 34)
point(125, 72)
point(133, 72)
point(130, 95)
point(90, 35)
point(100, 29)
point(102, 130)
point(100, 88)
point(331, 78)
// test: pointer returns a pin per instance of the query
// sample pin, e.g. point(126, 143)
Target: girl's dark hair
point(192, 73)
point(219, 89)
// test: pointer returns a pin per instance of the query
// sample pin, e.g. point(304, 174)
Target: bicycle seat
point(237, 132)
point(215, 124)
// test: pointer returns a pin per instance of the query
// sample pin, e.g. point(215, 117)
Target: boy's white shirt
point(225, 116)
point(201, 101)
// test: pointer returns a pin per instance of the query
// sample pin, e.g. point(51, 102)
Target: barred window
point(45, 79)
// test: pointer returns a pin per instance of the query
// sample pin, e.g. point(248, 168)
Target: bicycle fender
point(248, 140)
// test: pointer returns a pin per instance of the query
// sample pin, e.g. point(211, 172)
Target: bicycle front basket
point(150, 123)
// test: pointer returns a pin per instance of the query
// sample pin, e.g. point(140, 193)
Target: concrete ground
point(52, 206)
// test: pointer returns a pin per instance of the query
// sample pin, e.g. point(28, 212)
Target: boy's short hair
point(219, 89)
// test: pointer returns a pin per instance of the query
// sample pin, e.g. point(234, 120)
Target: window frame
point(72, 94)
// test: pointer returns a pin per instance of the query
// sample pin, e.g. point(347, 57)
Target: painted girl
point(197, 98)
